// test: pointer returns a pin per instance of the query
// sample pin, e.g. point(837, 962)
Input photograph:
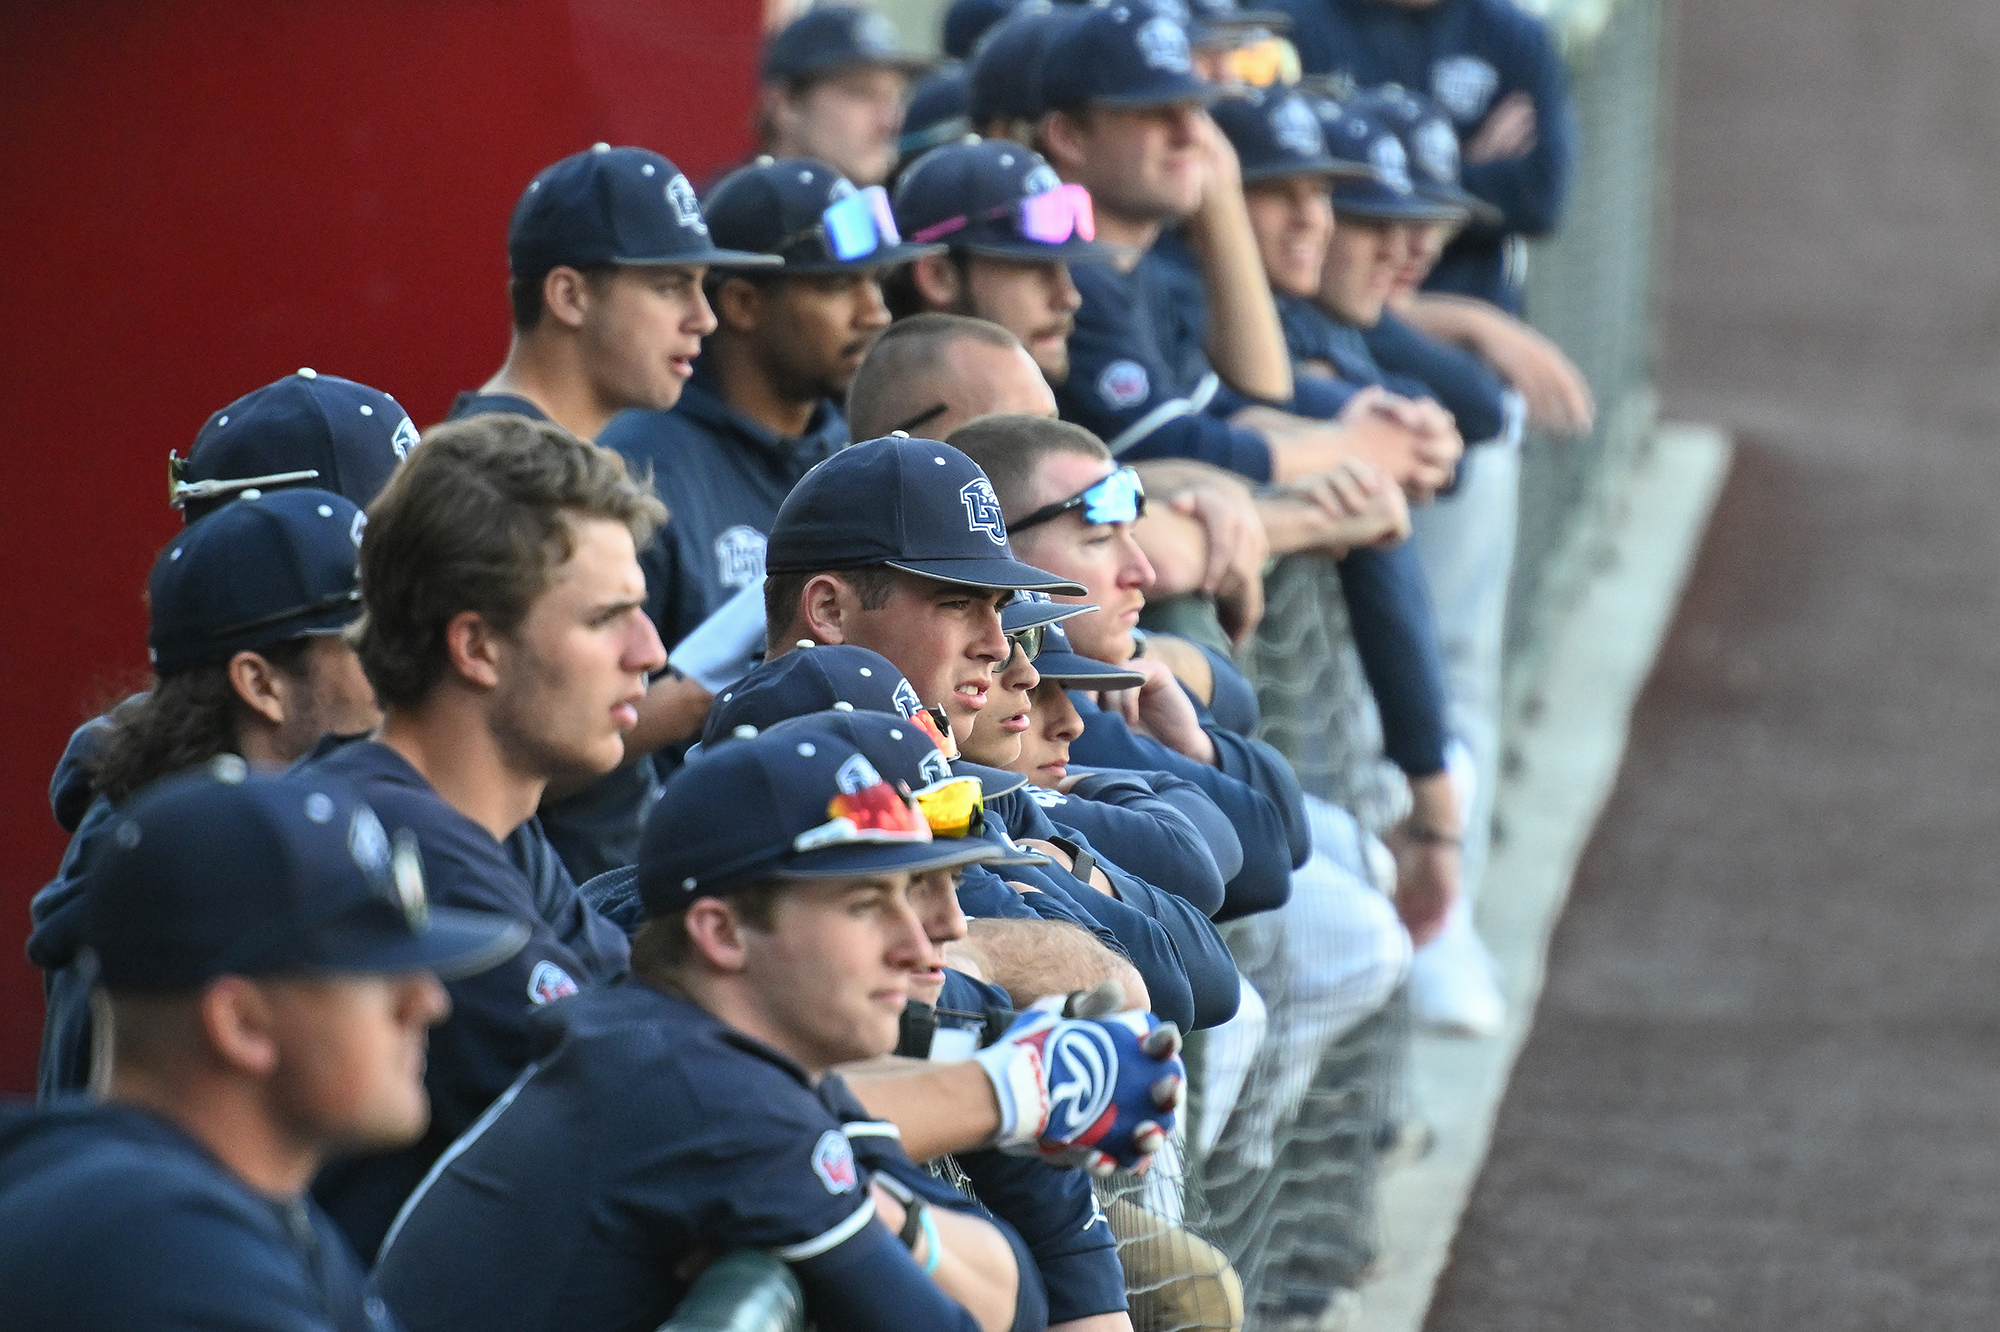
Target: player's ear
point(824, 607)
point(937, 282)
point(256, 682)
point(1060, 136)
point(715, 935)
point(240, 1026)
point(739, 305)
point(473, 650)
point(566, 295)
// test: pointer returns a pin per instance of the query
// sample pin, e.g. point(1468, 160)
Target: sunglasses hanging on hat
point(1050, 217)
point(1118, 498)
point(848, 229)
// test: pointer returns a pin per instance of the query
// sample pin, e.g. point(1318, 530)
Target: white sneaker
point(1453, 991)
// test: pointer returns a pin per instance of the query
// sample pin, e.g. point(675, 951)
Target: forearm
point(937, 1108)
point(1033, 958)
point(1246, 343)
point(975, 1264)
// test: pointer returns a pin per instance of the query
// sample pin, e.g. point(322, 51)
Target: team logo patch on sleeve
point(549, 982)
point(739, 557)
point(833, 1162)
point(1123, 384)
point(982, 510)
point(1464, 85)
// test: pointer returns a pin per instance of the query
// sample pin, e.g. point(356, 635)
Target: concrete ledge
point(1599, 660)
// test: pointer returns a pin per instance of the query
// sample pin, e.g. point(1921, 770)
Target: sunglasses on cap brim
point(180, 490)
point(849, 229)
point(954, 807)
point(1118, 498)
point(1266, 62)
point(874, 814)
point(1051, 217)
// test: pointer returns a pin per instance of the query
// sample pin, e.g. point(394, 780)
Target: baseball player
point(898, 545)
point(607, 250)
point(246, 609)
point(696, 1107)
point(270, 961)
point(1010, 230)
point(834, 83)
point(1491, 66)
point(764, 403)
point(503, 634)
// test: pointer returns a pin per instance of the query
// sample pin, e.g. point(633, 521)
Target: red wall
point(199, 198)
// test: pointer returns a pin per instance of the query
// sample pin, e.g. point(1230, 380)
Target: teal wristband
point(935, 1251)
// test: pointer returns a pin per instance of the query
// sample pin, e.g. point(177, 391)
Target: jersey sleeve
point(1466, 385)
point(1530, 189)
point(1389, 605)
point(1146, 835)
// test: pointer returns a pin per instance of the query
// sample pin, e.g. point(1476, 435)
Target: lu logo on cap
point(982, 510)
point(687, 211)
point(1164, 44)
point(1296, 129)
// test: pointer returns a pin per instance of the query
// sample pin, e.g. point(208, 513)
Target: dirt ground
point(1763, 1089)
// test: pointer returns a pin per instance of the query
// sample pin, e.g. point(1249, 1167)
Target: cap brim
point(1274, 21)
point(1073, 668)
point(712, 257)
point(1071, 251)
point(1330, 168)
point(1451, 196)
point(456, 944)
point(1163, 94)
point(886, 857)
point(993, 782)
point(999, 575)
point(893, 256)
point(1407, 209)
point(1018, 615)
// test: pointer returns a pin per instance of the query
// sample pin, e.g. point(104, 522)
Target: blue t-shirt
point(1466, 55)
point(480, 1049)
point(113, 1219)
point(646, 1135)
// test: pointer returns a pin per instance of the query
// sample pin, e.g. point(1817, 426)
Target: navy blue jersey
point(1123, 386)
point(1466, 55)
point(1145, 835)
point(1312, 335)
point(1487, 411)
point(1179, 302)
point(484, 1044)
point(472, 402)
point(56, 943)
point(648, 1136)
point(1189, 974)
point(722, 476)
point(113, 1219)
point(1251, 784)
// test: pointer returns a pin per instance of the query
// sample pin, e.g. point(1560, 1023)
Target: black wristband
point(913, 1222)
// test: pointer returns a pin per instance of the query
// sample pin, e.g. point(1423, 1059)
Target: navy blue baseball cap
point(913, 504)
point(219, 871)
point(1276, 135)
point(1126, 53)
point(1032, 610)
point(1215, 21)
point(839, 678)
point(1061, 662)
point(830, 38)
point(969, 196)
point(936, 113)
point(307, 429)
point(1431, 142)
point(256, 572)
point(613, 206)
point(781, 208)
point(1004, 72)
point(966, 21)
point(805, 804)
point(1388, 193)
